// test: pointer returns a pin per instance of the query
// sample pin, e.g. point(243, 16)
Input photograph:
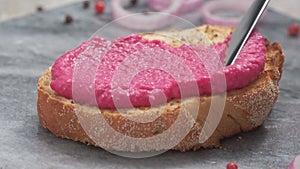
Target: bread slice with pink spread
point(92, 117)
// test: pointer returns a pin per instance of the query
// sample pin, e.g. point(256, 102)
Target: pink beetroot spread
point(144, 84)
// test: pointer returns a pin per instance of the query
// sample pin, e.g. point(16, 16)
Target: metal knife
point(244, 30)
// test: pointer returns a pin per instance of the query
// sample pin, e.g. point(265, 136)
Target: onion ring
point(151, 21)
point(295, 164)
point(211, 7)
point(187, 5)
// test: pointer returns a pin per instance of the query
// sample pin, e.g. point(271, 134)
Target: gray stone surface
point(29, 45)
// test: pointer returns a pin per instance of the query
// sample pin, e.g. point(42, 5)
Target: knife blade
point(244, 30)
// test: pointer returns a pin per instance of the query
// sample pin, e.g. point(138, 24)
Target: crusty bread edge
point(245, 108)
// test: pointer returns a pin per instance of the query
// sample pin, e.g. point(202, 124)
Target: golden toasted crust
point(245, 109)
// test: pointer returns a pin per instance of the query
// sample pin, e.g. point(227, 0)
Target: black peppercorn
point(39, 8)
point(68, 19)
point(133, 2)
point(86, 4)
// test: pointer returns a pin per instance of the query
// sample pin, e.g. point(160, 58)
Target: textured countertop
point(29, 45)
point(16, 8)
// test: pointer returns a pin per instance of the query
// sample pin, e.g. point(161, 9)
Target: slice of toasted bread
point(245, 109)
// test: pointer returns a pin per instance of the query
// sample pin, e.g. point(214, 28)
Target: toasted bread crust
point(245, 109)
